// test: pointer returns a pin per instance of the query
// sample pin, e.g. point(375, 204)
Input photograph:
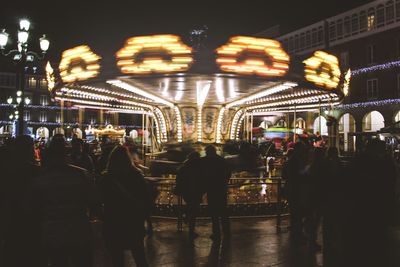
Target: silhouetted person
point(190, 185)
point(125, 208)
point(371, 199)
point(294, 174)
point(332, 205)
point(314, 185)
point(217, 173)
point(80, 155)
point(22, 226)
point(64, 194)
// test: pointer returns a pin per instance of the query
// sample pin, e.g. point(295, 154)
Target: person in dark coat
point(22, 231)
point(217, 173)
point(64, 195)
point(190, 186)
point(294, 174)
point(125, 199)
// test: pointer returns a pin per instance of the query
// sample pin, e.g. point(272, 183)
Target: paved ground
point(254, 242)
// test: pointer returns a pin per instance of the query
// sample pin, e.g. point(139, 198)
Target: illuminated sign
point(249, 55)
point(157, 53)
point(78, 64)
point(322, 69)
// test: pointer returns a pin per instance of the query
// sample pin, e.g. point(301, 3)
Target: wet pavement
point(254, 242)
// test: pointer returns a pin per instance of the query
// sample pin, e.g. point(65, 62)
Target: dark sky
point(105, 24)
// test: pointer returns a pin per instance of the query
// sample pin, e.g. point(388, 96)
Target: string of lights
point(3, 122)
point(384, 66)
point(377, 103)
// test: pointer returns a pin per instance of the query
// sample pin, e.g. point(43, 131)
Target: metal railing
point(246, 196)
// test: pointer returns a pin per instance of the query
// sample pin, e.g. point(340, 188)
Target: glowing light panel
point(263, 57)
point(78, 64)
point(322, 69)
point(156, 53)
point(346, 84)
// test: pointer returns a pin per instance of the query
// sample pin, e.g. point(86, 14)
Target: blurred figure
point(124, 196)
point(294, 174)
point(332, 205)
point(313, 195)
point(190, 186)
point(217, 173)
point(370, 208)
point(64, 195)
point(21, 223)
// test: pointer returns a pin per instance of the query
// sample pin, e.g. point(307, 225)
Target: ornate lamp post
point(22, 56)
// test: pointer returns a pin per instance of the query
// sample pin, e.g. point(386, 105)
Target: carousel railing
point(247, 196)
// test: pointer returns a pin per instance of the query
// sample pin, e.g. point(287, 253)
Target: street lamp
point(21, 56)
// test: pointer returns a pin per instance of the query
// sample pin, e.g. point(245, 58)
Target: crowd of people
point(353, 202)
point(47, 205)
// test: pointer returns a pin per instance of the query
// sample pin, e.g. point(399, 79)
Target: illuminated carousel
point(198, 96)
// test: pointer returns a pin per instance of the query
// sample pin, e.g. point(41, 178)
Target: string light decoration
point(346, 83)
point(79, 64)
point(263, 57)
point(385, 66)
point(178, 124)
point(368, 104)
point(51, 80)
point(156, 53)
point(322, 69)
point(162, 123)
point(235, 123)
point(220, 119)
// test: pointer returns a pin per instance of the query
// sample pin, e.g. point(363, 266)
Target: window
point(308, 39)
point(380, 16)
point(296, 42)
point(43, 84)
point(372, 89)
point(370, 54)
point(354, 24)
point(58, 117)
point(344, 60)
point(7, 80)
point(31, 82)
point(397, 10)
point(389, 12)
point(371, 20)
point(320, 35)
point(42, 116)
point(363, 21)
point(290, 43)
point(302, 40)
point(314, 37)
point(43, 100)
point(27, 115)
point(346, 26)
point(339, 29)
point(332, 31)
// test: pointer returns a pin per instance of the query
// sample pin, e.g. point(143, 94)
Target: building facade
point(366, 40)
point(44, 117)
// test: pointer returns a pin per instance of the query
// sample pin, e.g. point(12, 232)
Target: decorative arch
point(320, 125)
point(397, 117)
point(373, 121)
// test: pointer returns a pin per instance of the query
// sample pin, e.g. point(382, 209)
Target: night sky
point(105, 25)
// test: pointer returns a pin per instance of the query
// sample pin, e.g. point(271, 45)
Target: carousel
point(200, 96)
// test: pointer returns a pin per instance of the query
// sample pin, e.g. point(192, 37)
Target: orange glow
point(88, 68)
point(271, 49)
point(322, 69)
point(181, 55)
